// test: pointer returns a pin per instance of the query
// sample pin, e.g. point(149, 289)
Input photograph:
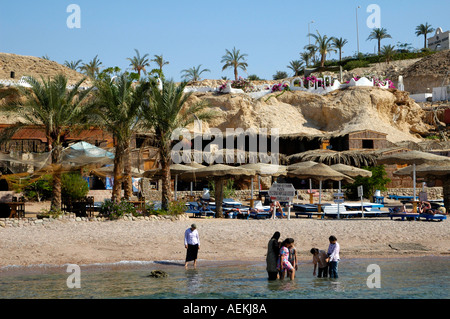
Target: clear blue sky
point(189, 33)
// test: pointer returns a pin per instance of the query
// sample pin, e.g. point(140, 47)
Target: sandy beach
point(86, 242)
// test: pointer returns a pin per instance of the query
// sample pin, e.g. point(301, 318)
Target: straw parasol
point(357, 158)
point(264, 170)
point(350, 171)
point(175, 170)
point(219, 173)
point(412, 158)
point(319, 172)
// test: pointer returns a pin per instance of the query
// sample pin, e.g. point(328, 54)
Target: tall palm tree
point(92, 68)
point(424, 29)
point(339, 43)
point(74, 65)
point(388, 52)
point(379, 34)
point(139, 63)
point(234, 59)
point(117, 109)
point(167, 111)
point(50, 106)
point(159, 60)
point(296, 66)
point(324, 45)
point(193, 74)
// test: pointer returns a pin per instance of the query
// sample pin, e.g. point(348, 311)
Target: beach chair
point(429, 217)
point(196, 211)
point(260, 211)
point(403, 215)
point(308, 210)
point(400, 197)
point(332, 211)
point(374, 212)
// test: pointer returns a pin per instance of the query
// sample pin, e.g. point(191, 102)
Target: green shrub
point(39, 190)
point(377, 181)
point(73, 186)
point(113, 211)
point(356, 64)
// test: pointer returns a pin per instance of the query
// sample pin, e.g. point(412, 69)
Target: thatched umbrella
point(430, 171)
point(330, 157)
point(175, 170)
point(350, 171)
point(219, 173)
point(412, 158)
point(264, 170)
point(319, 172)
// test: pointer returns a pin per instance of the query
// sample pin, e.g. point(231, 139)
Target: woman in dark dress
point(273, 250)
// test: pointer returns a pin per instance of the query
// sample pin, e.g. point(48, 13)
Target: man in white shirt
point(333, 257)
point(192, 244)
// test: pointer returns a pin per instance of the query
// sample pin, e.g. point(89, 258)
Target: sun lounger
point(429, 217)
point(400, 197)
point(332, 211)
point(198, 211)
point(402, 215)
point(374, 212)
point(308, 210)
point(260, 211)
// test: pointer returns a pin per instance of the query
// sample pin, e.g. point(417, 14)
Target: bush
point(74, 186)
point(40, 189)
point(112, 210)
point(356, 64)
point(377, 181)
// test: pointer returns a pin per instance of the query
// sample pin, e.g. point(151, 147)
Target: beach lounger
point(400, 197)
point(402, 215)
point(430, 217)
point(374, 212)
point(199, 212)
point(260, 211)
point(308, 210)
point(332, 211)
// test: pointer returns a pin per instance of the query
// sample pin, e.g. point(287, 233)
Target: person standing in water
point(192, 244)
point(283, 261)
point(273, 250)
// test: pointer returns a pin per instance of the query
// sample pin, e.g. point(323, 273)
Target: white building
point(440, 41)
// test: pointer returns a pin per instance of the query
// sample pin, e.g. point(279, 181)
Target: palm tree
point(323, 45)
point(92, 68)
point(234, 59)
point(296, 66)
point(379, 34)
point(193, 74)
point(167, 111)
point(424, 29)
point(118, 110)
point(139, 63)
point(74, 65)
point(279, 75)
point(159, 60)
point(388, 52)
point(339, 44)
point(305, 57)
point(48, 104)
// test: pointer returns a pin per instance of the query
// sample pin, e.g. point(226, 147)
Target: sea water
point(419, 277)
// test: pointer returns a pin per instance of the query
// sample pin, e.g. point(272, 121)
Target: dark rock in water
point(158, 274)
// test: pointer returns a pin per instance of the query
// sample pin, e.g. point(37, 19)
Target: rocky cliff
point(358, 108)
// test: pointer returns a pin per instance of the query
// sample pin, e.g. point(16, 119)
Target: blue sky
point(189, 33)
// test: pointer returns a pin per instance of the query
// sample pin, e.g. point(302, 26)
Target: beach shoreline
point(64, 242)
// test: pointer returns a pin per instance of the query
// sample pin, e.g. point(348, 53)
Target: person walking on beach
point(192, 244)
point(333, 257)
point(273, 250)
point(283, 261)
point(319, 259)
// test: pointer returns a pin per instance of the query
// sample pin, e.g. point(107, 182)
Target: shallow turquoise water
point(421, 278)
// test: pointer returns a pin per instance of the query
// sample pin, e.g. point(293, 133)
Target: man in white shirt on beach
point(333, 257)
point(192, 244)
